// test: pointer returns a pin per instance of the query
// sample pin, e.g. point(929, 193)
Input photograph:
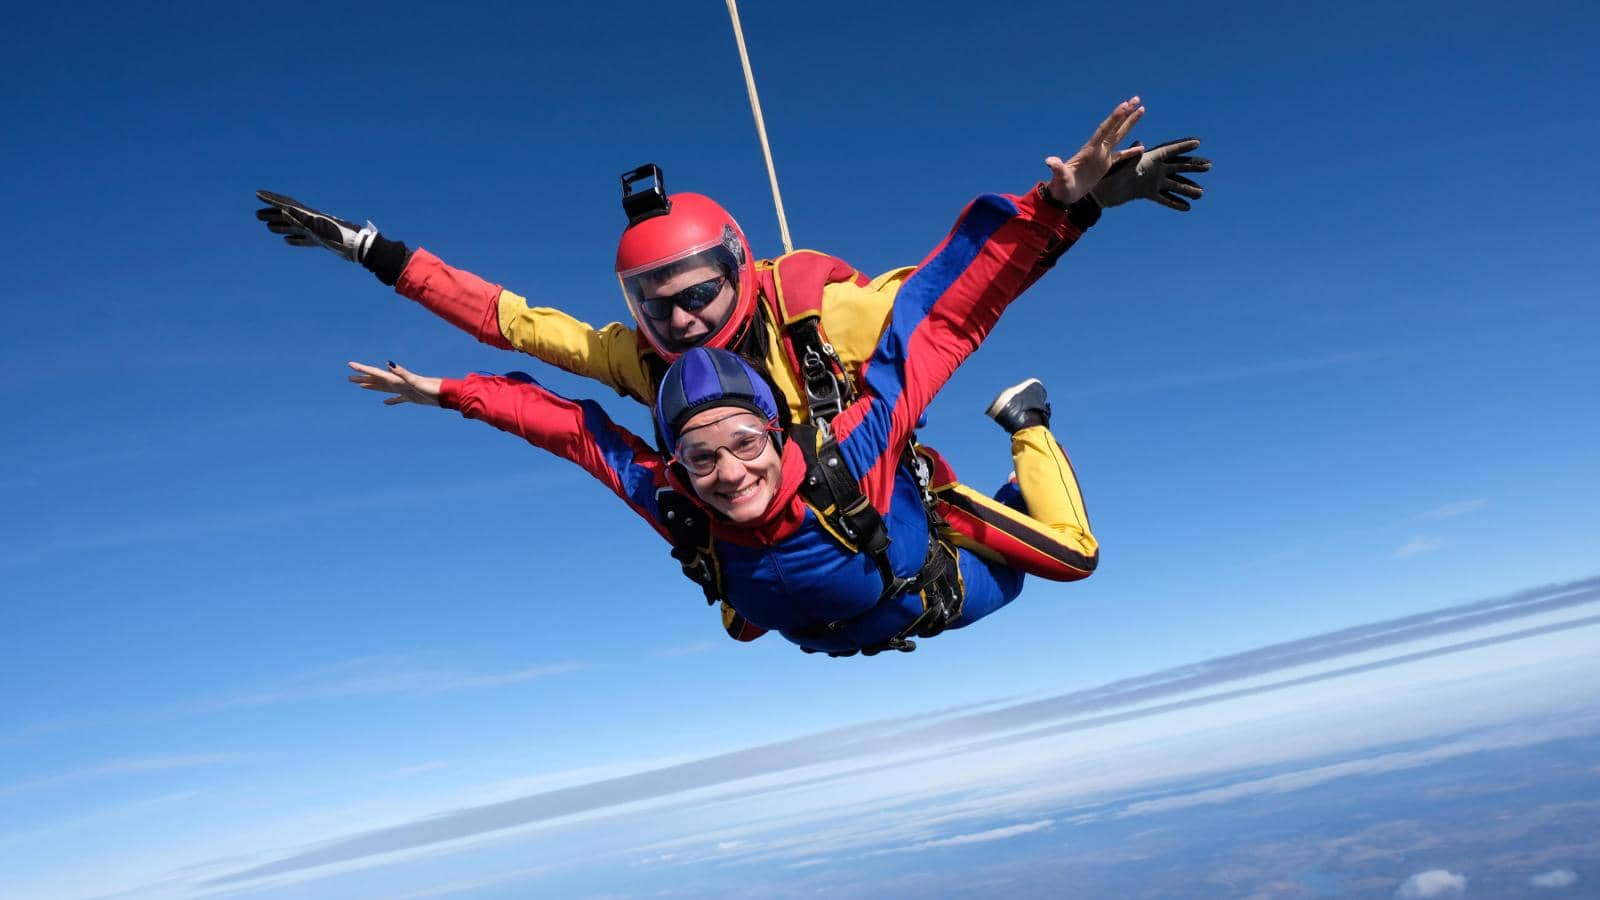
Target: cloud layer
point(932, 736)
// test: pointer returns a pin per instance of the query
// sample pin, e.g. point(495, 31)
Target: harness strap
point(690, 529)
point(939, 584)
point(792, 287)
point(836, 496)
point(827, 384)
point(837, 499)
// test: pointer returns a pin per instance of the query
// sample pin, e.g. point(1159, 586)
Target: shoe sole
point(1006, 395)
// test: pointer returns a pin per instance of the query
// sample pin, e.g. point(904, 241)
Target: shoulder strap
point(798, 279)
point(836, 497)
point(690, 529)
point(829, 388)
point(795, 284)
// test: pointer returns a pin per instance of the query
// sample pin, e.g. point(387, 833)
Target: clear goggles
point(745, 441)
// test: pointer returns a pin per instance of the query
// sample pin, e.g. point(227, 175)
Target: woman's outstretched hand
point(1075, 177)
point(407, 386)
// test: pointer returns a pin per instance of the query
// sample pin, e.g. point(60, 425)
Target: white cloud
point(1451, 510)
point(478, 884)
point(126, 767)
point(1432, 883)
point(658, 858)
point(808, 863)
point(993, 834)
point(115, 816)
point(1289, 782)
point(380, 675)
point(1422, 543)
point(29, 733)
point(362, 677)
point(1555, 878)
point(138, 527)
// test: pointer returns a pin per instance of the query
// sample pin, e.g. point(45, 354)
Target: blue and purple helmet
point(704, 377)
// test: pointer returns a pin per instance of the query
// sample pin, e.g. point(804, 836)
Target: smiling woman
point(744, 487)
point(710, 402)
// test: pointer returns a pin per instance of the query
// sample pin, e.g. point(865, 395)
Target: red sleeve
point(1081, 216)
point(576, 430)
point(941, 314)
point(455, 295)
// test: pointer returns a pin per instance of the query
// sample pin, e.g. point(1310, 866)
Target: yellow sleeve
point(854, 316)
point(609, 355)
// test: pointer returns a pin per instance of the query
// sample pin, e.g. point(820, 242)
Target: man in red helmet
point(809, 320)
point(685, 270)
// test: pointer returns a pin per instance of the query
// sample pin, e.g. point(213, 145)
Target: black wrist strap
point(1084, 212)
point(386, 259)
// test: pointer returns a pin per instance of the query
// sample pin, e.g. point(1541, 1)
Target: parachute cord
point(761, 128)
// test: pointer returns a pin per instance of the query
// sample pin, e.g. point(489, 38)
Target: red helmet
point(685, 269)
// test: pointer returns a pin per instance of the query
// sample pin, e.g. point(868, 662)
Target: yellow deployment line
point(761, 128)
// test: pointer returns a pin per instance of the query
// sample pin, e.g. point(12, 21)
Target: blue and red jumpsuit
point(784, 572)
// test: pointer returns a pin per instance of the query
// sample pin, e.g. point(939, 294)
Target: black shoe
point(1021, 406)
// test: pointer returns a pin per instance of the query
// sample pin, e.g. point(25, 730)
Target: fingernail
point(391, 363)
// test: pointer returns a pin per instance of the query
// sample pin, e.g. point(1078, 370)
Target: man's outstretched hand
point(1071, 179)
point(302, 226)
point(1155, 176)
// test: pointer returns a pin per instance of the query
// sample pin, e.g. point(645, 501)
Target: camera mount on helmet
point(647, 202)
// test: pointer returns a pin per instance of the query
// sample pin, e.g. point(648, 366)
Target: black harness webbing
point(690, 528)
point(938, 583)
point(827, 384)
point(836, 496)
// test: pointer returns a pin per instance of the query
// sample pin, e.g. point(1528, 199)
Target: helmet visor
point(683, 301)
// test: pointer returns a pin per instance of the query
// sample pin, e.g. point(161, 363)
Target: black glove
point(1153, 175)
point(302, 226)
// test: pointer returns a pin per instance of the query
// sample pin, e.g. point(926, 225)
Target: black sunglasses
point(693, 298)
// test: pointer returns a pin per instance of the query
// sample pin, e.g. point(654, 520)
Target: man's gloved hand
point(302, 226)
point(1153, 175)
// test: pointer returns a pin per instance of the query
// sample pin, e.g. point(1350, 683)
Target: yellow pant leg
point(1053, 540)
point(1050, 487)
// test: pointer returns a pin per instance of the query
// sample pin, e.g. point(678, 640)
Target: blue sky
point(245, 609)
